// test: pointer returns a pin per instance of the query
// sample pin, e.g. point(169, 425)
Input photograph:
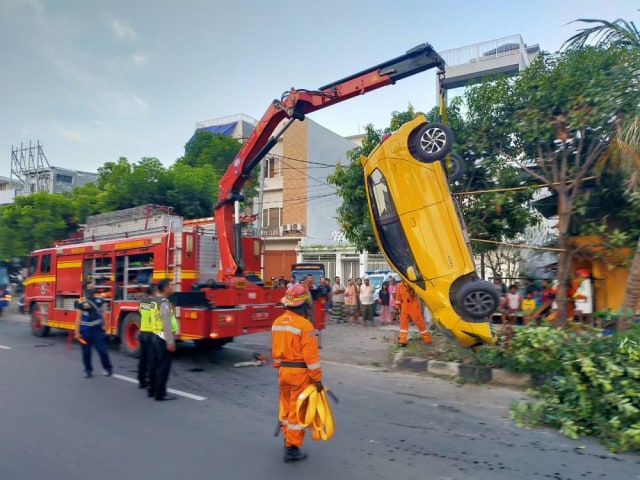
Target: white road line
point(4, 347)
point(170, 390)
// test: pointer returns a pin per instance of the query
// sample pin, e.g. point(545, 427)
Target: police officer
point(294, 349)
point(165, 327)
point(90, 329)
point(147, 309)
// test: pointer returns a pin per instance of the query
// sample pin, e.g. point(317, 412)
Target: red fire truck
point(216, 270)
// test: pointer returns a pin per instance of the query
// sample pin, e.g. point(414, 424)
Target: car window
point(388, 225)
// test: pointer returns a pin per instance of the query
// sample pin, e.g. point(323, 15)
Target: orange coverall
point(410, 308)
point(293, 340)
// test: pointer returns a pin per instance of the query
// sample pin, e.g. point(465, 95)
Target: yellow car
point(420, 231)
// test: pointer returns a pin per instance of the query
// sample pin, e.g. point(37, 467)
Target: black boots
point(293, 454)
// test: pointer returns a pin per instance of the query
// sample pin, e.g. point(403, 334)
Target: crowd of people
point(532, 301)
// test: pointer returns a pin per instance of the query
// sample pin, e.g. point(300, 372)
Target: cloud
point(122, 30)
point(73, 135)
point(139, 59)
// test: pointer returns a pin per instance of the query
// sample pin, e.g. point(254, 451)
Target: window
point(273, 167)
point(388, 225)
point(33, 265)
point(45, 267)
point(64, 178)
point(271, 217)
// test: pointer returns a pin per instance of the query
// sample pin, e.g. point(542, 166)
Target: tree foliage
point(555, 121)
point(206, 148)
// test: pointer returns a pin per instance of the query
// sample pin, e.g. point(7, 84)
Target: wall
point(324, 147)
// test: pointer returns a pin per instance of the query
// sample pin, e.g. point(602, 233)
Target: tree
point(206, 148)
point(192, 191)
point(556, 120)
point(34, 221)
point(624, 36)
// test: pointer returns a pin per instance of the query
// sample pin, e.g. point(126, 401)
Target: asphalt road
point(55, 424)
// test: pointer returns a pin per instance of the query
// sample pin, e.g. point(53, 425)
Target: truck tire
point(37, 328)
point(477, 300)
point(129, 342)
point(430, 142)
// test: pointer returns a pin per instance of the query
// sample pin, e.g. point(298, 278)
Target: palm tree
point(622, 34)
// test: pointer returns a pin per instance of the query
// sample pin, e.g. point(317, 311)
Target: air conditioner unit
point(296, 227)
point(286, 227)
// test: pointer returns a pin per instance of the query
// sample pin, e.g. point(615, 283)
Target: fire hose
point(314, 412)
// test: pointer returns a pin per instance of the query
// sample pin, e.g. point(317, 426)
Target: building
point(296, 209)
point(8, 189)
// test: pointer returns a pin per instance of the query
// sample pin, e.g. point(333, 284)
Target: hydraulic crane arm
point(294, 105)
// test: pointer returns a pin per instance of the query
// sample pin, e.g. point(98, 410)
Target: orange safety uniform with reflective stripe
point(410, 308)
point(293, 340)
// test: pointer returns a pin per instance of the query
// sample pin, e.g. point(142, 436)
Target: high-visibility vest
point(147, 309)
point(157, 324)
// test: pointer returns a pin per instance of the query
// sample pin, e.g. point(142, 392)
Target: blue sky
point(95, 80)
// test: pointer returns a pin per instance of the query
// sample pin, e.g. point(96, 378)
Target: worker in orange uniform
point(410, 307)
point(295, 354)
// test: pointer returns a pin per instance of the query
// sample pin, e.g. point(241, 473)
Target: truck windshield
point(300, 272)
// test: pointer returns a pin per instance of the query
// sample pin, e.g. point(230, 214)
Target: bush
point(592, 383)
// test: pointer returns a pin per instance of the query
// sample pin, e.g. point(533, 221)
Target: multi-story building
point(8, 189)
point(296, 208)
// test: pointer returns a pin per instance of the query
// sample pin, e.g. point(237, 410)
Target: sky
point(94, 80)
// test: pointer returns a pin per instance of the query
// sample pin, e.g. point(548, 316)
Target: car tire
point(431, 142)
point(477, 300)
point(455, 168)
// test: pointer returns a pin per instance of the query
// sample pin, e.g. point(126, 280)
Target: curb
point(461, 370)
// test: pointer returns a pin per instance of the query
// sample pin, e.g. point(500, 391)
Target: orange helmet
point(296, 295)
point(583, 273)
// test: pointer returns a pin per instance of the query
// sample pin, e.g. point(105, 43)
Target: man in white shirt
point(337, 300)
point(583, 298)
point(366, 300)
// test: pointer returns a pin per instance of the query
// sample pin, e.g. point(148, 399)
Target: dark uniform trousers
point(94, 336)
point(147, 351)
point(160, 368)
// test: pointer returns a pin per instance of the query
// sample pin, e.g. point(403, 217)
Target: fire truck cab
point(123, 252)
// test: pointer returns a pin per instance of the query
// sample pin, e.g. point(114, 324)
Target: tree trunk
point(564, 257)
point(631, 293)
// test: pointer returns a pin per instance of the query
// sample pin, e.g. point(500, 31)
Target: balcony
point(507, 56)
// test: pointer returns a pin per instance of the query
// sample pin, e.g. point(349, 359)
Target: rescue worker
point(147, 308)
point(165, 327)
point(408, 303)
point(295, 353)
point(90, 329)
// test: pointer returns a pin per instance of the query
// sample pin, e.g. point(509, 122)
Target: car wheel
point(455, 168)
point(477, 300)
point(431, 142)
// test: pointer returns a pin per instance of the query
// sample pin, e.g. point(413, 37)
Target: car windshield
point(376, 280)
point(4, 278)
point(392, 238)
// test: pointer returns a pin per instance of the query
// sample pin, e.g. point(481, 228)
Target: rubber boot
point(293, 454)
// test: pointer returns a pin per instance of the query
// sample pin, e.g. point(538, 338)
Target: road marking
point(170, 390)
point(4, 347)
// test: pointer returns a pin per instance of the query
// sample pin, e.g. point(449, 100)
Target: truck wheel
point(477, 300)
point(37, 328)
point(129, 342)
point(431, 142)
point(211, 344)
point(455, 169)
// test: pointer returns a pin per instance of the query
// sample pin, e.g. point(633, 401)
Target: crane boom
point(295, 105)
